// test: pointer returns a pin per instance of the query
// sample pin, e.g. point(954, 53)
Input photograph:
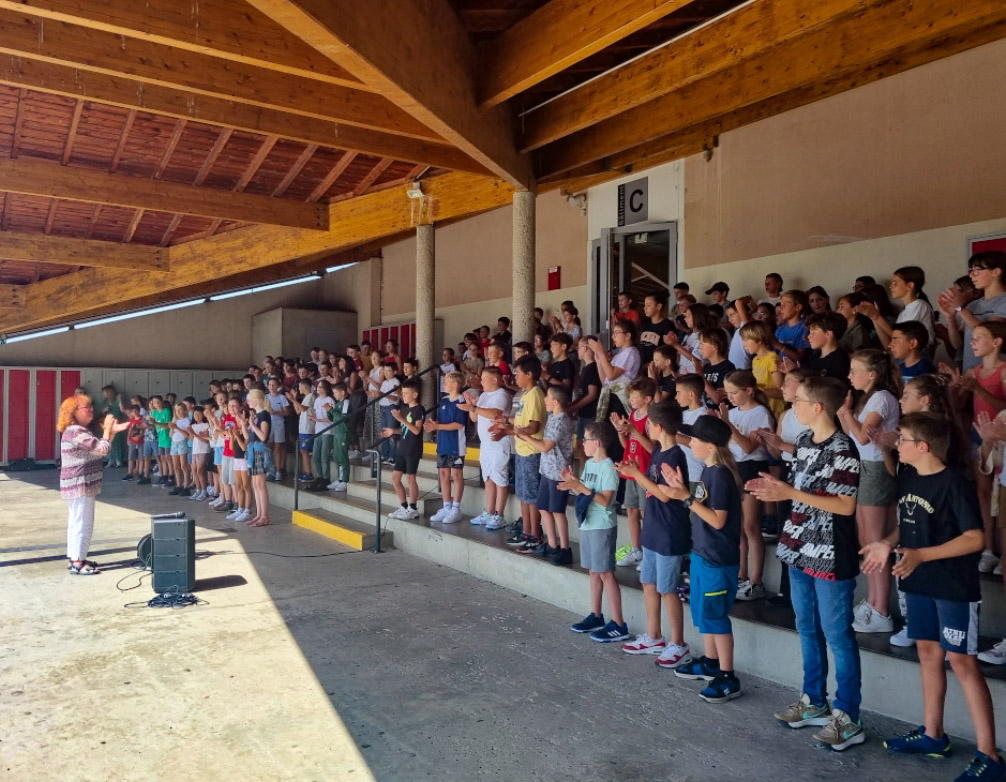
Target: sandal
point(259, 524)
point(89, 562)
point(85, 568)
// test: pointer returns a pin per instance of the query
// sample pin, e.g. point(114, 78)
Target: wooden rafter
point(371, 177)
point(82, 252)
point(354, 221)
point(429, 73)
point(846, 51)
point(176, 136)
point(71, 134)
point(330, 178)
point(129, 93)
point(218, 146)
point(246, 176)
point(47, 180)
point(223, 28)
point(15, 142)
point(199, 74)
point(558, 35)
point(295, 170)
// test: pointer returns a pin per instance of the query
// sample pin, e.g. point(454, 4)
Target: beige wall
point(913, 152)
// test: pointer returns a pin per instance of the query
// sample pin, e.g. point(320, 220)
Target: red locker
point(69, 379)
point(45, 415)
point(3, 395)
point(412, 340)
point(18, 391)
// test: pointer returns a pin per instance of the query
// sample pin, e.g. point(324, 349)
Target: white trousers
point(79, 527)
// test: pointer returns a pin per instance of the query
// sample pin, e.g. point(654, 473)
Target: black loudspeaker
point(174, 552)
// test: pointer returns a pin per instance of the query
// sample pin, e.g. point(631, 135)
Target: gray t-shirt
point(558, 429)
point(983, 309)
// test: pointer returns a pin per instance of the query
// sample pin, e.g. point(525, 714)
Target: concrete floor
point(349, 667)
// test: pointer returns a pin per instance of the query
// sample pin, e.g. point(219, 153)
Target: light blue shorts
point(662, 570)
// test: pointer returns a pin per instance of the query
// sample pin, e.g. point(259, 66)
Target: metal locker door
point(181, 384)
point(113, 377)
point(46, 405)
point(18, 413)
point(137, 381)
point(159, 382)
point(90, 379)
point(3, 417)
point(69, 379)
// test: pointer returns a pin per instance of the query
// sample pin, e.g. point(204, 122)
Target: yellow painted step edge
point(329, 529)
point(471, 454)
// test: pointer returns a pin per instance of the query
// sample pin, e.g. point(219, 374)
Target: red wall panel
point(45, 415)
point(18, 390)
point(3, 395)
point(69, 379)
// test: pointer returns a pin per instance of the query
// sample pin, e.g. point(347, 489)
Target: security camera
point(414, 190)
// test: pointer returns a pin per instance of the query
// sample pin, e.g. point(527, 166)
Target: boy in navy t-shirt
point(939, 538)
point(451, 447)
point(666, 539)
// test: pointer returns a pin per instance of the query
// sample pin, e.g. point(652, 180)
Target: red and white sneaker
point(643, 644)
point(674, 655)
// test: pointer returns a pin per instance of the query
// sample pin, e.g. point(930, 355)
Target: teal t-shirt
point(162, 416)
point(600, 476)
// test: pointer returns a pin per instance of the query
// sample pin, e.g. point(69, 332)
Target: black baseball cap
point(719, 286)
point(708, 429)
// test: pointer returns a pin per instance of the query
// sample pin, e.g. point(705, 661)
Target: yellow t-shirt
point(762, 368)
point(530, 407)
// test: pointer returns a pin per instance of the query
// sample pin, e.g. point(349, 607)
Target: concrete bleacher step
point(352, 533)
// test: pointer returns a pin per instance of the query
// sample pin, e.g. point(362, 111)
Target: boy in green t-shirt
point(339, 415)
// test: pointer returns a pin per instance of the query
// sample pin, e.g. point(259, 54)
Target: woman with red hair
point(81, 454)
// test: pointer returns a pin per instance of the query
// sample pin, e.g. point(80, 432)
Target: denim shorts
point(179, 449)
point(305, 442)
point(662, 570)
point(149, 450)
point(527, 477)
point(135, 452)
point(218, 455)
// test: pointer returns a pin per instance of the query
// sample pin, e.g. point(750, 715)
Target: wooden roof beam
point(223, 28)
point(81, 252)
point(355, 221)
point(420, 57)
point(32, 177)
point(12, 296)
point(844, 52)
point(556, 36)
point(125, 92)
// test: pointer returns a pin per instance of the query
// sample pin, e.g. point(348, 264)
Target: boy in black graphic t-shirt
point(818, 543)
point(939, 537)
point(409, 414)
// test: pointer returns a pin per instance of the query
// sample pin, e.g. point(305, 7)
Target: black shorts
point(448, 461)
point(750, 470)
point(407, 463)
point(551, 499)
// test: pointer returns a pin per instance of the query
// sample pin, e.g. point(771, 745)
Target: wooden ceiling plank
point(295, 170)
point(355, 221)
point(71, 134)
point(429, 72)
point(249, 173)
point(371, 177)
point(60, 79)
point(557, 36)
point(83, 252)
point(218, 146)
point(31, 177)
point(850, 46)
point(155, 64)
point(747, 32)
point(222, 28)
point(330, 179)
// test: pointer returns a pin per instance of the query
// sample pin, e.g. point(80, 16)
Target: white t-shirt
point(306, 424)
point(739, 357)
point(695, 466)
point(691, 344)
point(321, 406)
point(747, 421)
point(921, 311)
point(198, 446)
point(628, 360)
point(183, 424)
point(218, 436)
point(386, 386)
point(500, 400)
point(882, 402)
point(791, 428)
point(277, 403)
point(444, 369)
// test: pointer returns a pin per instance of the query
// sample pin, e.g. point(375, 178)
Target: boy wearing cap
point(820, 546)
point(720, 293)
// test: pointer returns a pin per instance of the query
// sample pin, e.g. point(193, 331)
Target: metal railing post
point(376, 460)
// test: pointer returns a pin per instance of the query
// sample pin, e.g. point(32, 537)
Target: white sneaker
point(634, 557)
point(901, 638)
point(354, 454)
point(216, 503)
point(639, 568)
point(244, 516)
point(999, 569)
point(441, 514)
point(987, 562)
point(996, 655)
point(479, 520)
point(643, 644)
point(859, 613)
point(751, 591)
point(495, 522)
point(409, 513)
point(674, 655)
point(233, 515)
point(453, 516)
point(198, 496)
point(397, 513)
point(338, 486)
point(874, 622)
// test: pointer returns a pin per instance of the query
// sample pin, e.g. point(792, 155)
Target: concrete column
point(523, 266)
point(426, 309)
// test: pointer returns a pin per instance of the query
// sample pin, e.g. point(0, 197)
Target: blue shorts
point(551, 498)
point(135, 452)
point(218, 455)
point(951, 623)
point(663, 570)
point(179, 448)
point(305, 442)
point(149, 450)
point(527, 477)
point(713, 588)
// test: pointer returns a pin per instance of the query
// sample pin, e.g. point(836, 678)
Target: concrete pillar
point(426, 310)
point(523, 267)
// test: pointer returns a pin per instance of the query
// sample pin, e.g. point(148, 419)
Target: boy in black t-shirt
point(826, 358)
point(818, 543)
point(939, 538)
point(560, 371)
point(716, 366)
point(661, 369)
point(409, 414)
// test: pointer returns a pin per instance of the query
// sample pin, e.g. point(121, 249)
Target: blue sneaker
point(610, 633)
point(918, 743)
point(983, 768)
point(588, 624)
point(721, 689)
point(699, 668)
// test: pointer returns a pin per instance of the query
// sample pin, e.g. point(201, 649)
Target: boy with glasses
point(986, 270)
